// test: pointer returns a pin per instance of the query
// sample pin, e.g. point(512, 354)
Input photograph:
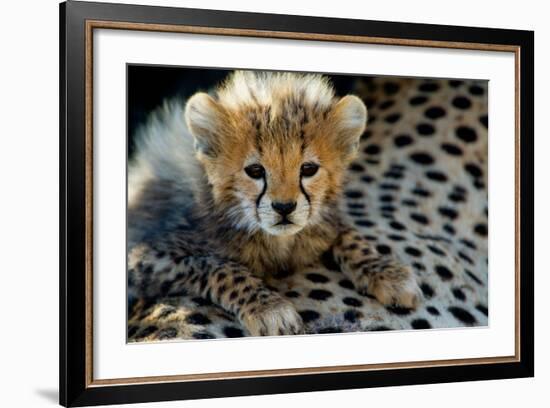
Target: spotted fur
point(209, 221)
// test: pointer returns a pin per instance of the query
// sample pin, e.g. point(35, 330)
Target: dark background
point(149, 85)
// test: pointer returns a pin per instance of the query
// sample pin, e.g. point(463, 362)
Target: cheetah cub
point(243, 183)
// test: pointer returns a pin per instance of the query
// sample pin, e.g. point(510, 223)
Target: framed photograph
point(256, 204)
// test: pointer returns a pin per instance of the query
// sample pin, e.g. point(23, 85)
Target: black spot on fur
point(484, 120)
point(132, 330)
point(308, 315)
point(451, 149)
point(455, 83)
point(388, 186)
point(395, 237)
point(147, 331)
point(167, 311)
point(238, 279)
point(418, 100)
point(346, 284)
point(481, 229)
point(167, 333)
point(352, 315)
point(435, 175)
point(459, 294)
point(397, 226)
point(461, 102)
point(365, 223)
point(428, 87)
point(372, 149)
point(387, 209)
point(443, 272)
point(367, 179)
point(317, 278)
point(232, 332)
point(202, 335)
point(465, 257)
point(435, 112)
point(353, 194)
point(420, 218)
point(198, 318)
point(402, 140)
point(448, 212)
point(394, 117)
point(366, 134)
point(473, 169)
point(483, 309)
point(329, 330)
point(433, 311)
point(391, 88)
point(386, 104)
point(449, 229)
point(393, 175)
point(474, 278)
point(412, 251)
point(422, 158)
point(409, 203)
point(462, 315)
point(356, 167)
point(351, 301)
point(421, 192)
point(436, 250)
point(427, 290)
point(379, 328)
point(456, 197)
point(479, 184)
point(292, 294)
point(383, 249)
point(468, 243)
point(476, 90)
point(419, 324)
point(319, 294)
point(399, 310)
point(466, 134)
point(425, 129)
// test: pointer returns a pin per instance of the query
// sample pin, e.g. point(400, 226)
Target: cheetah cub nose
point(284, 208)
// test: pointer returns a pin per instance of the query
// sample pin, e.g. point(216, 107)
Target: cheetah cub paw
point(271, 315)
point(391, 283)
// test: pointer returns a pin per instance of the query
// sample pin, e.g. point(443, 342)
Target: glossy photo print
point(264, 203)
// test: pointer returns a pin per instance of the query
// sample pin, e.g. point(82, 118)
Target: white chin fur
point(283, 230)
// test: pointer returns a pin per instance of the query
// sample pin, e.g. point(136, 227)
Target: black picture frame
point(75, 387)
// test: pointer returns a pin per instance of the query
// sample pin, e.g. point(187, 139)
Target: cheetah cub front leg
point(228, 284)
point(262, 311)
point(389, 281)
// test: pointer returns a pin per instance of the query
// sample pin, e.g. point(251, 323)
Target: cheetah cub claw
point(272, 316)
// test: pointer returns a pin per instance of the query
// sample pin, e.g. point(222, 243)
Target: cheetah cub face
point(275, 148)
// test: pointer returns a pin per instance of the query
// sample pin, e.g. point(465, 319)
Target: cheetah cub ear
point(349, 117)
point(205, 118)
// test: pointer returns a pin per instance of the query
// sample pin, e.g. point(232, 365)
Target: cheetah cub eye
point(309, 169)
point(255, 171)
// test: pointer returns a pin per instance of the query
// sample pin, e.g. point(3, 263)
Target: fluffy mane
point(246, 88)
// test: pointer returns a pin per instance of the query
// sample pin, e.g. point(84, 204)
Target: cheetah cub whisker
point(239, 184)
